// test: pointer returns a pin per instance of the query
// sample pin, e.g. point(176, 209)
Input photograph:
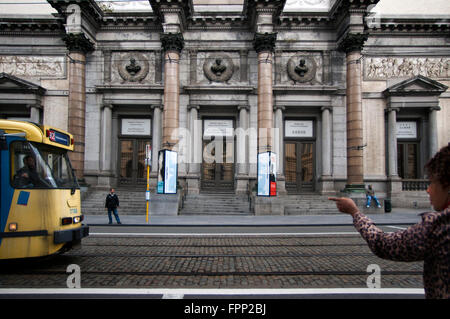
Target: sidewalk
point(397, 216)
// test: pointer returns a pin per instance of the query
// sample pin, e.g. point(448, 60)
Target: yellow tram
point(40, 208)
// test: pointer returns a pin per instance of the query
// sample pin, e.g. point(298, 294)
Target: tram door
point(132, 161)
point(299, 166)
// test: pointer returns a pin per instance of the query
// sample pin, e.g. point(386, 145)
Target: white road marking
point(396, 227)
point(219, 234)
point(181, 292)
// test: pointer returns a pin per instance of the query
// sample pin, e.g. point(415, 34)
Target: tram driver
point(28, 176)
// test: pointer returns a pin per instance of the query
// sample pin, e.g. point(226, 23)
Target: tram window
point(40, 166)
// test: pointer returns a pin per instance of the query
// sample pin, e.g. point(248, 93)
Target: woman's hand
point(345, 205)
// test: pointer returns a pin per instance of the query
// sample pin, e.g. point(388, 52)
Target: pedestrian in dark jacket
point(428, 240)
point(112, 202)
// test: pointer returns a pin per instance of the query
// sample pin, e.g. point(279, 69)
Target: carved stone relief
point(130, 67)
point(34, 66)
point(218, 68)
point(381, 68)
point(302, 68)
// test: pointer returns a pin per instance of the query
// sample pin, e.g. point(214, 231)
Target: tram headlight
point(77, 219)
point(13, 227)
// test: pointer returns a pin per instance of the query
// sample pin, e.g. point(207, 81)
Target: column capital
point(279, 107)
point(243, 107)
point(193, 106)
point(107, 105)
point(353, 42)
point(393, 109)
point(327, 108)
point(157, 106)
point(264, 42)
point(77, 42)
point(434, 108)
point(172, 42)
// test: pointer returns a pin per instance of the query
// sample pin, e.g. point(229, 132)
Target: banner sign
point(267, 185)
point(167, 172)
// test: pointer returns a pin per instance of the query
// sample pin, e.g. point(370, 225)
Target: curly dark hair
point(439, 166)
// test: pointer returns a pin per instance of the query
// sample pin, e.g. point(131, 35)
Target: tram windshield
point(35, 165)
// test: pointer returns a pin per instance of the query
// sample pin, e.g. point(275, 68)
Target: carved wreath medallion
point(302, 68)
point(218, 67)
point(133, 67)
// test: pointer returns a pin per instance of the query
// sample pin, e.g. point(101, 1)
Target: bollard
point(387, 205)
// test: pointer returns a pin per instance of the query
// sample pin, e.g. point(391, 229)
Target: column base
point(241, 184)
point(165, 204)
point(326, 185)
point(281, 185)
point(268, 206)
point(394, 185)
point(193, 184)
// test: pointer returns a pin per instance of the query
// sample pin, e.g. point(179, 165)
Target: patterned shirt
point(429, 240)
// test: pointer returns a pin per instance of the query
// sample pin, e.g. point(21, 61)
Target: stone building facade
point(344, 98)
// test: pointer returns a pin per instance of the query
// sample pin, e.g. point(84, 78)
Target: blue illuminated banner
point(167, 172)
point(267, 174)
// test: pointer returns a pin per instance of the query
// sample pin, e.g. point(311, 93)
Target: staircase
point(216, 204)
point(132, 202)
point(308, 204)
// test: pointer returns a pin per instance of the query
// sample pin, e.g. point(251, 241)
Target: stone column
point(394, 181)
point(105, 138)
point(326, 178)
point(392, 142)
point(156, 135)
point(241, 141)
point(326, 141)
point(194, 163)
point(279, 149)
point(242, 159)
point(352, 45)
point(172, 45)
point(433, 131)
point(264, 45)
point(78, 46)
point(106, 133)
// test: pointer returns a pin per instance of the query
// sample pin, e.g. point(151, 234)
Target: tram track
point(283, 262)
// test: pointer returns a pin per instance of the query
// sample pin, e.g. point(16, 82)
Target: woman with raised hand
point(428, 240)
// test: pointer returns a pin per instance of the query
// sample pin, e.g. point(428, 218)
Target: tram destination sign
point(58, 137)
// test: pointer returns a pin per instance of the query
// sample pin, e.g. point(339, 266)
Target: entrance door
point(299, 166)
point(132, 161)
point(407, 160)
point(218, 164)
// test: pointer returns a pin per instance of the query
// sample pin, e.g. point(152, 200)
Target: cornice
point(377, 24)
point(130, 20)
point(20, 25)
point(219, 21)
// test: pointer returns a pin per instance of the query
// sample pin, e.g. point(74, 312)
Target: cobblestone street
point(215, 262)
